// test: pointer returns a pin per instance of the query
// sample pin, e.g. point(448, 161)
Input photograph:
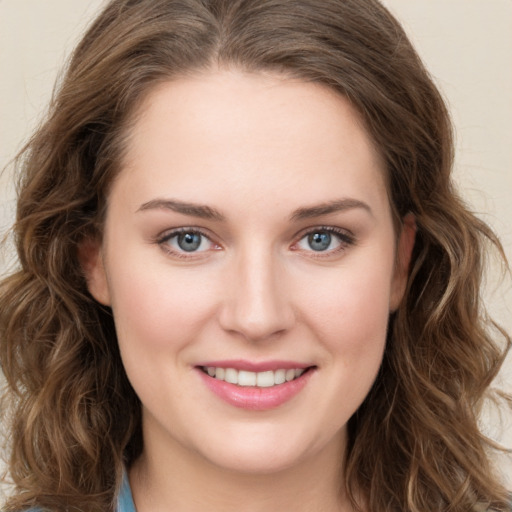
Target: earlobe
point(90, 256)
point(403, 260)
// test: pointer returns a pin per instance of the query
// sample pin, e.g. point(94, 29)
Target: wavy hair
point(74, 420)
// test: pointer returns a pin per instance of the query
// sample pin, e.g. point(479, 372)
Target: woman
point(245, 275)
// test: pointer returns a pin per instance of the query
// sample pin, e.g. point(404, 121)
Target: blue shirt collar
point(125, 500)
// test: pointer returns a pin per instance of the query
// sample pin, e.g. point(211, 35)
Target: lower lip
point(254, 398)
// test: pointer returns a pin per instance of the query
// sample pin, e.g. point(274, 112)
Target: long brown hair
point(414, 444)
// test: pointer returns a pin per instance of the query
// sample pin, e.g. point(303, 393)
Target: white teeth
point(290, 375)
point(265, 379)
point(280, 376)
point(259, 379)
point(246, 378)
point(231, 376)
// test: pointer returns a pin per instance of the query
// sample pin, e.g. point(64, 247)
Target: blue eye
point(189, 242)
point(319, 241)
point(186, 241)
point(325, 240)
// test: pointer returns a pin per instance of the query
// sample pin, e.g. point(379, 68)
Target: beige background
point(466, 44)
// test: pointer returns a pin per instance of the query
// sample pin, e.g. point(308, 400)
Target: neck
point(178, 479)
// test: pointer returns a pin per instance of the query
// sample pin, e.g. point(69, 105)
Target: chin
point(266, 452)
point(255, 462)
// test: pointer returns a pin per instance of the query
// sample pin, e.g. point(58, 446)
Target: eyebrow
point(207, 212)
point(195, 210)
point(339, 205)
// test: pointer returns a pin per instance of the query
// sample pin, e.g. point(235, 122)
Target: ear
point(90, 256)
point(403, 259)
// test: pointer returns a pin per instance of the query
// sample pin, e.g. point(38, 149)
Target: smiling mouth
point(245, 378)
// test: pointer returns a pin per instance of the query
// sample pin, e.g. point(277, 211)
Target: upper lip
point(252, 366)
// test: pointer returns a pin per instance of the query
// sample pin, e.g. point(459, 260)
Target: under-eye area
point(263, 379)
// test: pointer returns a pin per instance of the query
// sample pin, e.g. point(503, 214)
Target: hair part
point(74, 418)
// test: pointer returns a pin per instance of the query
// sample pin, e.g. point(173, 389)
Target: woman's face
point(249, 241)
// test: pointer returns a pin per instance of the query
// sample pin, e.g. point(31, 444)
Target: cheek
point(158, 315)
point(349, 316)
point(353, 307)
point(155, 307)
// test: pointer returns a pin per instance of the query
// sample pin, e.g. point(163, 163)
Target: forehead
point(257, 133)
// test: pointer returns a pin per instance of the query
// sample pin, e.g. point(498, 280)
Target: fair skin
point(287, 259)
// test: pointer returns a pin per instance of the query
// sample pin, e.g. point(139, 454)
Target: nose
point(257, 305)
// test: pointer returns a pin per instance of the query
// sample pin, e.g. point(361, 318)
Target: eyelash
point(345, 238)
point(163, 241)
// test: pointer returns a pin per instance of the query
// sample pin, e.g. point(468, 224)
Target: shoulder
point(124, 501)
